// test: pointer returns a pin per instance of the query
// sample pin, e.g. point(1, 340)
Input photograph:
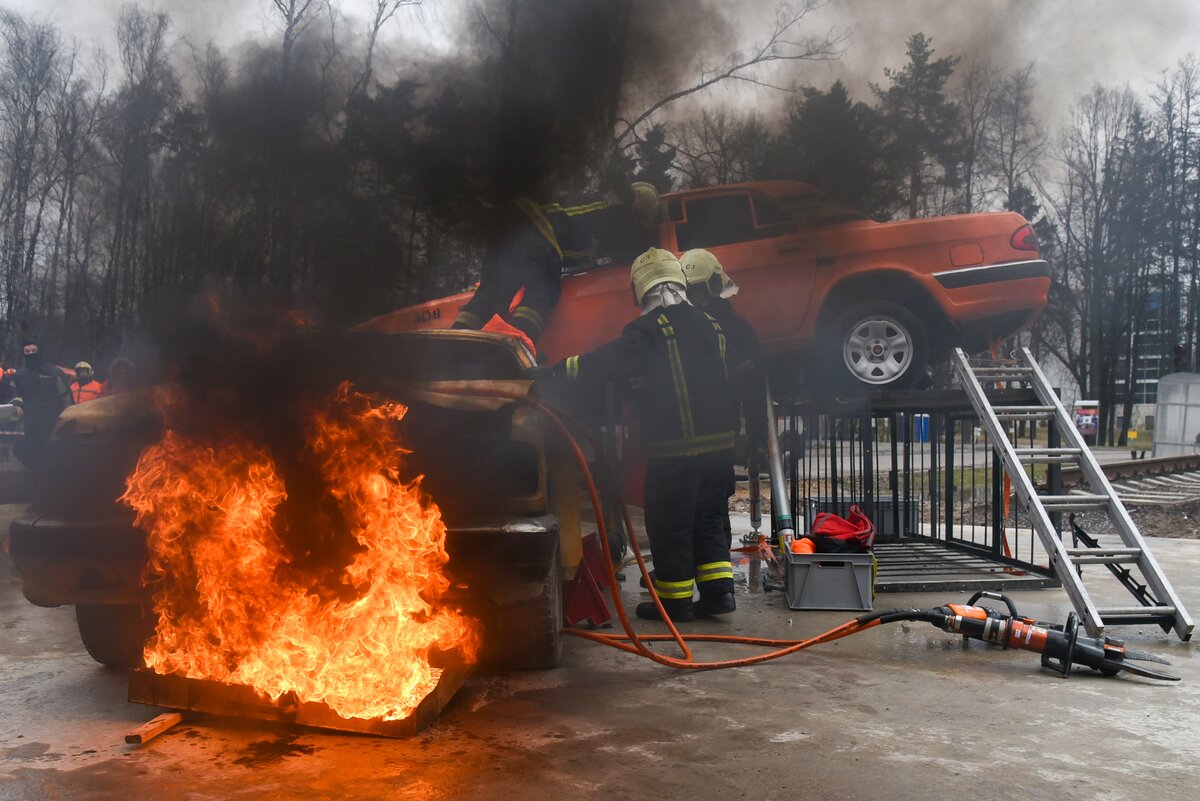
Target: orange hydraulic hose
point(631, 641)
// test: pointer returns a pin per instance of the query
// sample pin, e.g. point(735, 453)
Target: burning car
point(391, 519)
point(854, 303)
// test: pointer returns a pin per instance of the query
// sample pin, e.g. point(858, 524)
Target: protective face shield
point(646, 207)
point(83, 372)
point(705, 275)
point(654, 267)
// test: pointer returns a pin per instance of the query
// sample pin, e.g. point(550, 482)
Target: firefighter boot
point(679, 609)
point(713, 605)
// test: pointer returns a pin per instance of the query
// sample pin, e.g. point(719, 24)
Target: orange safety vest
point(85, 392)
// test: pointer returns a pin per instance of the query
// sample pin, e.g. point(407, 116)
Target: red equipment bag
point(852, 534)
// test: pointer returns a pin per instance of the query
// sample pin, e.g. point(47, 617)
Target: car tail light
point(1024, 238)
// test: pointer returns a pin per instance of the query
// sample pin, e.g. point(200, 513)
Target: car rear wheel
point(871, 346)
point(114, 634)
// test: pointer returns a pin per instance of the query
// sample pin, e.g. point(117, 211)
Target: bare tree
point(721, 147)
point(382, 12)
point(1177, 112)
point(75, 109)
point(295, 16)
point(28, 72)
point(1107, 217)
point(1017, 141)
point(140, 108)
point(785, 43)
point(977, 101)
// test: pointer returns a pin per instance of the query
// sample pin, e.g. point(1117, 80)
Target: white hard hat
point(702, 267)
point(655, 266)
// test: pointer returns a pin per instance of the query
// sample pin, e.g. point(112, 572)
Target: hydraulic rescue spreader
point(1061, 648)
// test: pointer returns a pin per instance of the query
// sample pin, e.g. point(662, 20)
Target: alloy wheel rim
point(878, 350)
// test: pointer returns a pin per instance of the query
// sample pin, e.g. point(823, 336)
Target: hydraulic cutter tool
point(1061, 647)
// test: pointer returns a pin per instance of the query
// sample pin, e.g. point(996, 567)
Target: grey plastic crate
point(829, 580)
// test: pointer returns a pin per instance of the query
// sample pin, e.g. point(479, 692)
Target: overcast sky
point(1075, 43)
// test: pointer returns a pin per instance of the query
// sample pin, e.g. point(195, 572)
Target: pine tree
point(921, 121)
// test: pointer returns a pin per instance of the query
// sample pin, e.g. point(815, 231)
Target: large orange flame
point(234, 606)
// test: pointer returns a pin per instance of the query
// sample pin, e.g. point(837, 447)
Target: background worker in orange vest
point(85, 387)
point(535, 243)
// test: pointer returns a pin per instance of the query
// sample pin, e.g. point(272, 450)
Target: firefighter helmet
point(645, 207)
point(655, 266)
point(703, 268)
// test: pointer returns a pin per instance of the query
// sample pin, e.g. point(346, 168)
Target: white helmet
point(702, 267)
point(646, 207)
point(655, 266)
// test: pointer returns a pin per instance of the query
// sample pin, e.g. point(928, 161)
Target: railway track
point(1162, 481)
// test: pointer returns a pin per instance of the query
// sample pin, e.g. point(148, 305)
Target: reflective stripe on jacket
point(673, 362)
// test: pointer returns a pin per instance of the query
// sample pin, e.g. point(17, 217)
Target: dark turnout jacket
point(672, 361)
point(747, 369)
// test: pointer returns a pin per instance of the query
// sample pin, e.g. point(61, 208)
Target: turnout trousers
point(686, 499)
point(521, 258)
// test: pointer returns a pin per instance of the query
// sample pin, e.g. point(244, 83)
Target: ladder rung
point(1101, 559)
point(1136, 611)
point(1023, 415)
point(1012, 369)
point(1073, 503)
point(1104, 551)
point(1024, 409)
point(999, 378)
point(1048, 455)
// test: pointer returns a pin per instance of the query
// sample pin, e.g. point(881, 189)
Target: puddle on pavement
point(267, 752)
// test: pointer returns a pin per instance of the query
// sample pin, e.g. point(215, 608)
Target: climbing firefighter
point(672, 359)
point(535, 243)
point(709, 289)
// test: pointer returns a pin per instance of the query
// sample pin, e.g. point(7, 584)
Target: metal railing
point(921, 467)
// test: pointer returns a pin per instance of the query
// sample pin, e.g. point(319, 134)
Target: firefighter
point(672, 359)
point(709, 289)
point(536, 242)
point(85, 387)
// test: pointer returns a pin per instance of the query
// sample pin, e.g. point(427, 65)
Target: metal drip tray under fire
point(235, 700)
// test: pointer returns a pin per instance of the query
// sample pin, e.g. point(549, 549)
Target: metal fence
point(921, 467)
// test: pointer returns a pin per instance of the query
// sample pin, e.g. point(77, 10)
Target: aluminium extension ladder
point(1160, 605)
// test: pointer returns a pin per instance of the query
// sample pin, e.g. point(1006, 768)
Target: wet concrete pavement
point(901, 712)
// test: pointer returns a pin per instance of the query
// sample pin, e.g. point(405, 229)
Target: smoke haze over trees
point(294, 169)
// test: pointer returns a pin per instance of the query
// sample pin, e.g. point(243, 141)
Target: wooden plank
point(152, 728)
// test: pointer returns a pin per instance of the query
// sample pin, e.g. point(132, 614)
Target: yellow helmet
point(702, 267)
point(645, 203)
point(655, 266)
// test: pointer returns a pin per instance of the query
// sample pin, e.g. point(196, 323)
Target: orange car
point(863, 305)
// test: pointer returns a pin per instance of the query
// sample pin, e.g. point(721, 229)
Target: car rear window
point(726, 219)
